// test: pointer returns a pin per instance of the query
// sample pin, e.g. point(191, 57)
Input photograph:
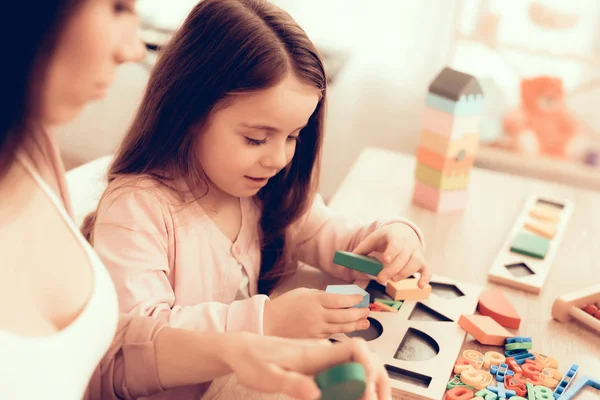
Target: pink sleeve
point(322, 231)
point(134, 237)
point(129, 369)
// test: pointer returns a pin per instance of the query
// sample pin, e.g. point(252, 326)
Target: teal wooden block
point(468, 106)
point(366, 264)
point(350, 289)
point(530, 245)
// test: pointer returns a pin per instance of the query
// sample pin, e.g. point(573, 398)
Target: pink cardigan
point(170, 261)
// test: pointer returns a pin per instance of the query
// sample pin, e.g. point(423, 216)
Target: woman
point(63, 313)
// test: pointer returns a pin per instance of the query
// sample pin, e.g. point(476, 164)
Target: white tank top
point(60, 366)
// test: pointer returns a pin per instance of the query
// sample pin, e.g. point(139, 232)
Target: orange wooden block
point(545, 229)
point(407, 289)
point(441, 144)
point(451, 165)
point(484, 329)
point(494, 304)
point(375, 307)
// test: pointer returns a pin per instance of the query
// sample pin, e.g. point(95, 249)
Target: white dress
point(60, 366)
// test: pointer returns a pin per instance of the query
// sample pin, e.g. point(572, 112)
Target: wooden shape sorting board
point(507, 263)
point(569, 306)
point(426, 377)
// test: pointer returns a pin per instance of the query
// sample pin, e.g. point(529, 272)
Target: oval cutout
point(373, 332)
point(417, 346)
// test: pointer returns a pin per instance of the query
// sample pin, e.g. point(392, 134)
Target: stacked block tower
point(448, 141)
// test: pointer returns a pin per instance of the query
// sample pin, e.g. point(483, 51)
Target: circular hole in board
point(373, 332)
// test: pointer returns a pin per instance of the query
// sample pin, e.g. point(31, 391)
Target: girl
point(212, 195)
point(64, 307)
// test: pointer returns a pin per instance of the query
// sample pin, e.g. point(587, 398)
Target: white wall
point(395, 49)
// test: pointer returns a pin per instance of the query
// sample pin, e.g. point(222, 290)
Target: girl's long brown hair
point(226, 47)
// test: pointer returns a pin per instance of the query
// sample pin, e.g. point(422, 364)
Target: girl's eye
point(123, 7)
point(294, 138)
point(255, 142)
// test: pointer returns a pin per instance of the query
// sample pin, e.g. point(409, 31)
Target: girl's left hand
point(400, 252)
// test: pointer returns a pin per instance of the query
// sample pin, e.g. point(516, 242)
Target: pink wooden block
point(449, 125)
point(439, 201)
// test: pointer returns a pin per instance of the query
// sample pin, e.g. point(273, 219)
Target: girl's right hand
point(312, 313)
point(278, 365)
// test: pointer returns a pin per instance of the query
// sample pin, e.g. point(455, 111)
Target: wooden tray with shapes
point(419, 355)
point(530, 273)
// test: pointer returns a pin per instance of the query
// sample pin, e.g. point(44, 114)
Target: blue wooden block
point(467, 106)
point(350, 289)
point(578, 386)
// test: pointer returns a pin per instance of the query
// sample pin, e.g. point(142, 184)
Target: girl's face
point(100, 35)
point(254, 136)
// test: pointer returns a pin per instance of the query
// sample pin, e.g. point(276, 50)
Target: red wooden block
point(494, 304)
point(375, 307)
point(597, 315)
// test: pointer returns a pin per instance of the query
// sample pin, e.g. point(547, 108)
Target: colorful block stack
point(448, 142)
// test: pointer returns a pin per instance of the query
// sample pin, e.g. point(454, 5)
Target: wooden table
point(462, 247)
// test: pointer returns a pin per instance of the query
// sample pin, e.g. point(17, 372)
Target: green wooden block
point(530, 245)
point(439, 179)
point(342, 382)
point(366, 264)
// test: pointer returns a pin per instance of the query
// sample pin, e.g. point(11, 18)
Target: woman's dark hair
point(30, 32)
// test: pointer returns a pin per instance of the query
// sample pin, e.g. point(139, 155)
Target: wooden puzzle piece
point(461, 164)
point(484, 329)
point(375, 307)
point(439, 200)
point(358, 262)
point(349, 290)
point(494, 304)
point(545, 229)
point(385, 307)
point(440, 144)
point(441, 180)
point(345, 381)
point(419, 355)
point(545, 211)
point(392, 303)
point(526, 272)
point(467, 106)
point(449, 125)
point(530, 245)
point(407, 289)
point(569, 306)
